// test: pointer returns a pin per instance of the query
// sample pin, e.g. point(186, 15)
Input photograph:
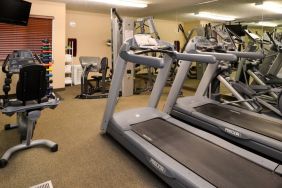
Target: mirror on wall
point(256, 15)
point(252, 23)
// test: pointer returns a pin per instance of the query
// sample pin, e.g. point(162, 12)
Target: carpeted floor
point(85, 157)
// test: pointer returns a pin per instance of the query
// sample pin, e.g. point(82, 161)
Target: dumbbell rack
point(46, 58)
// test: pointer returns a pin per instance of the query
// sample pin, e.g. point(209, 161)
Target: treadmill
point(182, 155)
point(259, 133)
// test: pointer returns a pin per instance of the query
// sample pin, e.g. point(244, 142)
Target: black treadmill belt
point(259, 125)
point(215, 164)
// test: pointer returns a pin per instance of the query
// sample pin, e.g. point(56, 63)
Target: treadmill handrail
point(142, 60)
point(131, 56)
point(220, 56)
point(203, 58)
point(248, 55)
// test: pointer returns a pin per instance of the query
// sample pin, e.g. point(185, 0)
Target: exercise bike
point(32, 96)
point(99, 89)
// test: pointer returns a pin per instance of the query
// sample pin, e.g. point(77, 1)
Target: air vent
point(47, 184)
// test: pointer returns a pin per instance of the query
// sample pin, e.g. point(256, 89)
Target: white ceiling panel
point(181, 9)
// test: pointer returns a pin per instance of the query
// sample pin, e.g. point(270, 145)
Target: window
point(14, 37)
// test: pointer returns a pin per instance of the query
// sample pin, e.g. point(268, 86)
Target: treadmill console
point(146, 41)
point(19, 58)
point(12, 65)
point(208, 45)
point(93, 64)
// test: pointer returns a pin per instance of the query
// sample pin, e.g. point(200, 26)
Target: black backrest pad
point(280, 102)
point(104, 63)
point(32, 84)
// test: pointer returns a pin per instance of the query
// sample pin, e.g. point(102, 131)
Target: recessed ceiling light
point(126, 3)
point(267, 24)
point(72, 24)
point(214, 16)
point(270, 6)
point(263, 23)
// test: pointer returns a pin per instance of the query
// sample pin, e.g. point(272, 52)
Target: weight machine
point(88, 89)
point(122, 30)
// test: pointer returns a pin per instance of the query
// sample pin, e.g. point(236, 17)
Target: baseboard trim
point(59, 89)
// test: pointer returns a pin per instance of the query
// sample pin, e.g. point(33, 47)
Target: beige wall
point(168, 30)
point(188, 26)
point(56, 10)
point(259, 29)
point(92, 30)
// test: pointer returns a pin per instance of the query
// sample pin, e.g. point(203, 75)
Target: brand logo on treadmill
point(157, 166)
point(232, 132)
point(235, 112)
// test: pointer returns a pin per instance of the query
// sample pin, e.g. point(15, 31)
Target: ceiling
point(241, 9)
point(154, 6)
point(180, 9)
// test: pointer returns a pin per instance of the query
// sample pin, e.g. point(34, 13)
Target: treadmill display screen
point(239, 30)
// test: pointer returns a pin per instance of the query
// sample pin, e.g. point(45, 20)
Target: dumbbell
point(46, 48)
point(49, 75)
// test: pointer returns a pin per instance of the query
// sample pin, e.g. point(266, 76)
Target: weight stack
point(46, 58)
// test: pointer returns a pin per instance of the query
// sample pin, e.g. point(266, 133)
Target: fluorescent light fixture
point(263, 23)
point(126, 3)
point(207, 2)
point(270, 6)
point(214, 16)
point(267, 24)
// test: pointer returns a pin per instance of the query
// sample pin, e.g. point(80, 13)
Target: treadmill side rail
point(163, 164)
point(278, 170)
point(186, 111)
point(113, 93)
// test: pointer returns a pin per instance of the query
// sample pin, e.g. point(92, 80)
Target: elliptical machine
point(88, 89)
point(251, 97)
